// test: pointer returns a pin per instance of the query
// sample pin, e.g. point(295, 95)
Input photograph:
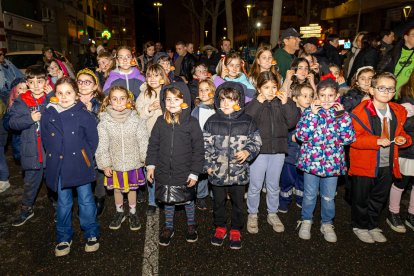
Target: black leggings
point(404, 182)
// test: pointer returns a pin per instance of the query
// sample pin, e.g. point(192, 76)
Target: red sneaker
point(235, 239)
point(219, 236)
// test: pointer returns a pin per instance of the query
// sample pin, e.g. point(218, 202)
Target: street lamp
point(206, 31)
point(158, 5)
point(407, 11)
point(248, 7)
point(258, 25)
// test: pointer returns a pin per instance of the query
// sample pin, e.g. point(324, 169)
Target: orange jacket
point(364, 152)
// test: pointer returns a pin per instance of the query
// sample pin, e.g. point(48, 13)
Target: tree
point(229, 20)
point(214, 11)
point(198, 8)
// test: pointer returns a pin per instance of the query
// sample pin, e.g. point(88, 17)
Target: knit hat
point(17, 81)
point(158, 56)
point(100, 48)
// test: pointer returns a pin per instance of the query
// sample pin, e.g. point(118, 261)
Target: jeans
point(327, 188)
point(237, 205)
point(32, 181)
point(202, 186)
point(4, 169)
point(269, 167)
point(290, 178)
point(87, 213)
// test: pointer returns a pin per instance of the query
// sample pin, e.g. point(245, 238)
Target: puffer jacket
point(274, 120)
point(224, 136)
point(122, 146)
point(352, 98)
point(176, 151)
point(324, 136)
point(131, 81)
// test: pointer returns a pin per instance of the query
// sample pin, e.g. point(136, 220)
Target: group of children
point(243, 131)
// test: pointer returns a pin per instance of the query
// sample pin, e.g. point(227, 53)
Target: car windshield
point(24, 61)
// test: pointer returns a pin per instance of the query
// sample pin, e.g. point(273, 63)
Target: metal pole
point(159, 28)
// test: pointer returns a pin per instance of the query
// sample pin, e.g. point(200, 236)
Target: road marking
point(150, 260)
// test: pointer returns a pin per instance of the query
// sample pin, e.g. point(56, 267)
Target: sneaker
point(363, 235)
point(140, 196)
point(377, 235)
point(166, 236)
point(283, 209)
point(409, 221)
point(252, 226)
point(328, 232)
point(219, 236)
point(305, 228)
point(395, 222)
point(151, 210)
point(192, 235)
point(277, 225)
point(92, 245)
point(62, 249)
point(235, 239)
point(100, 206)
point(299, 205)
point(134, 223)
point(116, 222)
point(4, 185)
point(201, 204)
point(26, 213)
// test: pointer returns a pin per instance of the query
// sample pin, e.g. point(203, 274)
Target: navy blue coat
point(65, 136)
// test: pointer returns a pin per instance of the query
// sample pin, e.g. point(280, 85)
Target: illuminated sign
point(106, 34)
point(313, 30)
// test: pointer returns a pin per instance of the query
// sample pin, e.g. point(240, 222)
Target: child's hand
point(340, 80)
point(315, 67)
point(289, 74)
point(150, 175)
point(47, 88)
point(108, 172)
point(400, 140)
point(154, 106)
point(383, 142)
point(282, 97)
point(36, 115)
point(261, 98)
point(224, 70)
point(338, 107)
point(315, 107)
point(191, 182)
point(210, 171)
point(241, 156)
point(311, 78)
point(294, 138)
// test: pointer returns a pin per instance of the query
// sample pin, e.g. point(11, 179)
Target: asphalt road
point(29, 249)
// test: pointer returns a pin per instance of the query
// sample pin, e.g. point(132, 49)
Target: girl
point(323, 129)
point(262, 63)
point(203, 110)
point(274, 114)
point(176, 156)
point(361, 82)
point(70, 138)
point(298, 73)
point(149, 109)
point(123, 141)
point(336, 72)
point(105, 65)
point(90, 94)
point(229, 69)
point(125, 75)
point(56, 71)
point(406, 161)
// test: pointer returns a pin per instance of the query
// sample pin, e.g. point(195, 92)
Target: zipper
point(228, 154)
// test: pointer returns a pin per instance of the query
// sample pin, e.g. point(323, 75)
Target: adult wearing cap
point(210, 58)
point(8, 73)
point(284, 56)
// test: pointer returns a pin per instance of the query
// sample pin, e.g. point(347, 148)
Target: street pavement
point(29, 249)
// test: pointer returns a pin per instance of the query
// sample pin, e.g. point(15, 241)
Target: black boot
point(100, 206)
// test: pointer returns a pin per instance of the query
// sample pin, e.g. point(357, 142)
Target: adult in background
point(88, 59)
point(387, 39)
point(184, 63)
point(210, 58)
point(144, 59)
point(8, 73)
point(356, 48)
point(158, 47)
point(284, 56)
point(330, 53)
point(310, 45)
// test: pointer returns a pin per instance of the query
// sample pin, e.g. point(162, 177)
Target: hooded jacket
point(176, 151)
point(131, 81)
point(224, 136)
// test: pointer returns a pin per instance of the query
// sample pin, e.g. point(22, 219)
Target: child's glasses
point(85, 82)
point(383, 89)
point(124, 57)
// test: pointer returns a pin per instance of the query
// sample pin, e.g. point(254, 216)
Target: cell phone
point(347, 45)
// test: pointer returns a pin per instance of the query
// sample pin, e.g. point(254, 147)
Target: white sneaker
point(304, 231)
point(363, 235)
point(4, 185)
point(277, 225)
point(328, 232)
point(252, 225)
point(62, 249)
point(377, 235)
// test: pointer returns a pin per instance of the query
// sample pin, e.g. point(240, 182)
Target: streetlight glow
point(258, 24)
point(158, 5)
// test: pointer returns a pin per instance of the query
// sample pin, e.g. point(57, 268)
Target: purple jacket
point(131, 81)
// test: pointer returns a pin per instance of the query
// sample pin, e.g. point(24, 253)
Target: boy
point(379, 132)
point(25, 115)
point(231, 140)
point(291, 180)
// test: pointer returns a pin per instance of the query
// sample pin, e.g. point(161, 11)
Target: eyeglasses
point(85, 82)
point(383, 89)
point(124, 57)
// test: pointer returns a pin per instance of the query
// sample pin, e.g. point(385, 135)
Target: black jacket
point(187, 66)
point(409, 129)
point(274, 121)
point(352, 98)
point(176, 151)
point(366, 57)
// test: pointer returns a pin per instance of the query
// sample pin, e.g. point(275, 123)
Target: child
point(149, 109)
point(298, 73)
point(175, 154)
point(56, 70)
point(123, 141)
point(70, 139)
point(374, 155)
point(263, 62)
point(203, 110)
point(336, 72)
point(25, 115)
point(125, 75)
point(106, 64)
point(231, 141)
point(361, 83)
point(406, 162)
point(4, 169)
point(163, 59)
point(291, 179)
point(323, 130)
point(274, 114)
point(230, 69)
point(90, 94)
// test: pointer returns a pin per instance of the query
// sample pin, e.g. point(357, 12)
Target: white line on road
point(150, 260)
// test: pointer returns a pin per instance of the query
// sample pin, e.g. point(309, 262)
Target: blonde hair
point(255, 69)
point(105, 103)
point(155, 69)
point(108, 56)
point(168, 116)
point(210, 84)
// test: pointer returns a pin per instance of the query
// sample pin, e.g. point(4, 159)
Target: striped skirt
point(125, 181)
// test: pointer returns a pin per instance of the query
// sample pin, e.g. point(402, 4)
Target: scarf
point(118, 116)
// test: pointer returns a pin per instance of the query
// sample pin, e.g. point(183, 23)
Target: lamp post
point(158, 5)
point(248, 7)
point(258, 25)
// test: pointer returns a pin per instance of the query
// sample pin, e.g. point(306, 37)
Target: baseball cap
point(289, 32)
point(310, 40)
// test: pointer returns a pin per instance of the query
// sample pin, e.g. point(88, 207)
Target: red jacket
point(364, 152)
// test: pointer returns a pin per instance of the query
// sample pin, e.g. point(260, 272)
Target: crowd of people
point(181, 129)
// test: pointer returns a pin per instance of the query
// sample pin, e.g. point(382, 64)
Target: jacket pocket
point(85, 157)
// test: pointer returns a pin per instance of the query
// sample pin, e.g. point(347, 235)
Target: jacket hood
point(186, 97)
point(230, 85)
